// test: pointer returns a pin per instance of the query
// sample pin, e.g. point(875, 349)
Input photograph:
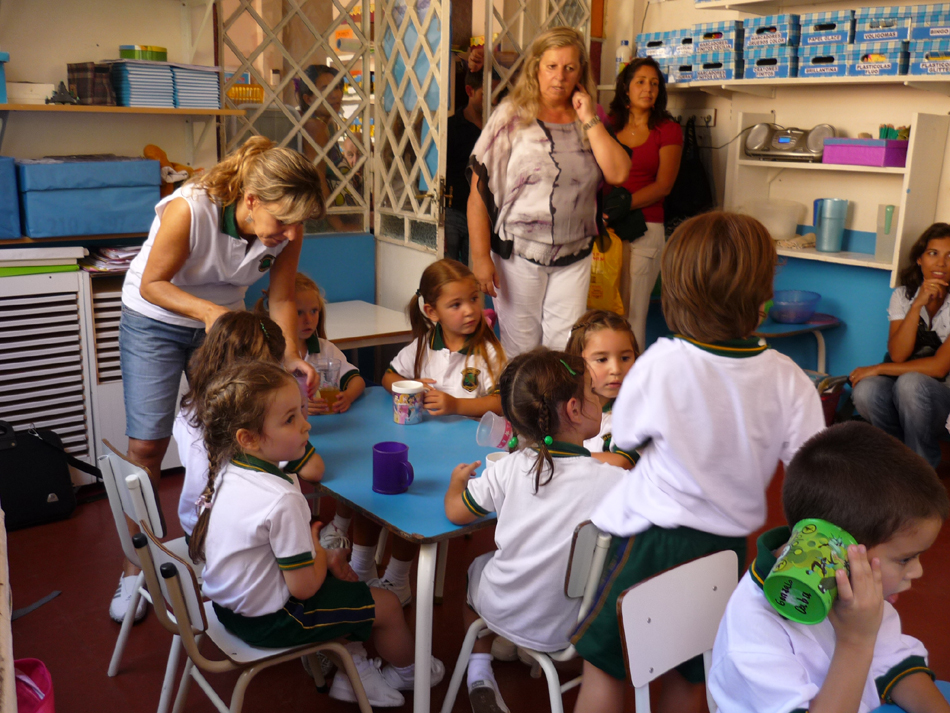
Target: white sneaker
point(378, 691)
point(485, 697)
point(333, 538)
point(404, 593)
point(123, 597)
point(397, 681)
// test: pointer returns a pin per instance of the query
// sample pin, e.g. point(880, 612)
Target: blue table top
point(436, 446)
point(771, 328)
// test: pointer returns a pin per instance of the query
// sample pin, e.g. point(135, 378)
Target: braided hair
point(533, 387)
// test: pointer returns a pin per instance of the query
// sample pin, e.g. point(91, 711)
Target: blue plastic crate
point(771, 30)
point(776, 62)
point(81, 197)
point(9, 203)
point(929, 57)
point(823, 60)
point(717, 66)
point(877, 59)
point(663, 44)
point(884, 24)
point(4, 58)
point(931, 24)
point(827, 28)
point(723, 36)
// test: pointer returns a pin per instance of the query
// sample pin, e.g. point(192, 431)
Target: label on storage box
point(710, 74)
point(828, 70)
point(934, 67)
point(935, 32)
point(767, 38)
point(709, 46)
point(872, 67)
point(833, 38)
point(878, 35)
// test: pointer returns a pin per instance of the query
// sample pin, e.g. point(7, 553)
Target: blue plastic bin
point(9, 205)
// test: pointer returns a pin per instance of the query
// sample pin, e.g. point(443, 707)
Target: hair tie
point(418, 293)
point(548, 441)
point(203, 503)
point(572, 372)
point(264, 330)
point(513, 443)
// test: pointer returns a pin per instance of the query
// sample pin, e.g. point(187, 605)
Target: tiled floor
point(75, 637)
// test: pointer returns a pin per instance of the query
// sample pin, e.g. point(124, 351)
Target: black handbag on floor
point(35, 486)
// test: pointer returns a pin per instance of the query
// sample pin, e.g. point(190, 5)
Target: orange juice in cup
point(329, 370)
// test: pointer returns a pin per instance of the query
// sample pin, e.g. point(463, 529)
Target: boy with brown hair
point(713, 412)
point(890, 500)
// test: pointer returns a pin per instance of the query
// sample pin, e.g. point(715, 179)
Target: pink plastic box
point(865, 152)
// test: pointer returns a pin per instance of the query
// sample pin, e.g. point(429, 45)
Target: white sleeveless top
point(219, 268)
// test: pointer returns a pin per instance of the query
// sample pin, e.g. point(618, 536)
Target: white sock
point(342, 523)
point(363, 561)
point(397, 572)
point(406, 673)
point(479, 669)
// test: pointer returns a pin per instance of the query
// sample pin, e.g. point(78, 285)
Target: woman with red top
point(654, 140)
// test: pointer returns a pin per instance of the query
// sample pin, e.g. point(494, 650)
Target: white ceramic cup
point(408, 397)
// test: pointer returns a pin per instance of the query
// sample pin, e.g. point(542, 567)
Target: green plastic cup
point(802, 586)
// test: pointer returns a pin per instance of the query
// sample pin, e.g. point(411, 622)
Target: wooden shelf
point(840, 258)
point(806, 166)
point(80, 109)
point(45, 242)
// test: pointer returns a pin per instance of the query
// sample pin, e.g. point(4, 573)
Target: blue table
point(770, 329)
point(436, 446)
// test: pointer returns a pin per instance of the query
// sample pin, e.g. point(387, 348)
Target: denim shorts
point(153, 356)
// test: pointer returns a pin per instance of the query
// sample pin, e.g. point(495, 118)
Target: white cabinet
point(913, 188)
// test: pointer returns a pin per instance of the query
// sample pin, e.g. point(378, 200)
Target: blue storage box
point(771, 30)
point(932, 23)
point(723, 36)
point(9, 205)
point(929, 57)
point(79, 196)
point(776, 62)
point(681, 70)
point(823, 60)
point(4, 58)
point(827, 28)
point(665, 44)
point(877, 59)
point(717, 66)
point(884, 24)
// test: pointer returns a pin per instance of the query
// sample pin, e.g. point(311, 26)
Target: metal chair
point(674, 616)
point(191, 619)
point(588, 553)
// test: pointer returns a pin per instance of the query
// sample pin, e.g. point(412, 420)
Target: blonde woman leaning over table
point(533, 208)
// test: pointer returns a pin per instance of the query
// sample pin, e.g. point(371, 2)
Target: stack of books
point(196, 87)
point(113, 260)
point(142, 83)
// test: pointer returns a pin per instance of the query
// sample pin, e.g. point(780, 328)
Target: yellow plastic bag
point(604, 292)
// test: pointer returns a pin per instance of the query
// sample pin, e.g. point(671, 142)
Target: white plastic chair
point(674, 616)
point(585, 565)
point(131, 495)
point(170, 578)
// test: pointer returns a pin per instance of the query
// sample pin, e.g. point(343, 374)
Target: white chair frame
point(192, 619)
point(674, 616)
point(585, 565)
point(131, 496)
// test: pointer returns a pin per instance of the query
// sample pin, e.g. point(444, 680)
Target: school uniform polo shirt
point(259, 527)
point(900, 304)
point(220, 265)
point(520, 590)
point(460, 374)
point(764, 663)
point(603, 441)
point(317, 347)
point(711, 422)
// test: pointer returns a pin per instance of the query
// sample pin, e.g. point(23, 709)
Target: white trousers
point(641, 265)
point(538, 305)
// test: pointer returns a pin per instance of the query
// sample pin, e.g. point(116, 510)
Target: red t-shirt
point(645, 162)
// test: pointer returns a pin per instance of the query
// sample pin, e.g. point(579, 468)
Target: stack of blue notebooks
point(140, 83)
point(196, 88)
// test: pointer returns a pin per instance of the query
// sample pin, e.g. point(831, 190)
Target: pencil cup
point(392, 471)
point(407, 402)
point(802, 586)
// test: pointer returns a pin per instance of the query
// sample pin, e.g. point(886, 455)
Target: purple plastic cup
point(392, 471)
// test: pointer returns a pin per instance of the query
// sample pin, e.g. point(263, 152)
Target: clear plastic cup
point(493, 431)
point(329, 371)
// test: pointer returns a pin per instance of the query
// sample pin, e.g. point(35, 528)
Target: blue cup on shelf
point(830, 215)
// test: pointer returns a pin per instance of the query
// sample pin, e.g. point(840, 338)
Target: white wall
point(851, 109)
point(42, 36)
point(398, 270)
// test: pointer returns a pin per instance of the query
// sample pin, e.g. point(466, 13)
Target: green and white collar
point(608, 407)
point(313, 344)
point(249, 462)
point(734, 348)
point(767, 543)
point(229, 221)
point(438, 341)
point(560, 449)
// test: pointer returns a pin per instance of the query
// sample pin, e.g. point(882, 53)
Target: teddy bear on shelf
point(173, 174)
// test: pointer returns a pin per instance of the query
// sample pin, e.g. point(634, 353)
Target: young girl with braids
point(458, 358)
point(541, 492)
point(271, 582)
point(606, 343)
point(235, 336)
